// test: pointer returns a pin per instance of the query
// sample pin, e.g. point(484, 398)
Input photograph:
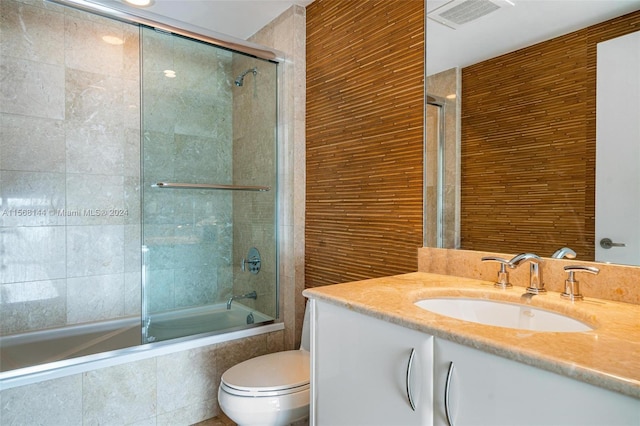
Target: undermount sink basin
point(502, 314)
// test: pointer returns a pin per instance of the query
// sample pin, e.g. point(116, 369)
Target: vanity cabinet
point(484, 389)
point(360, 374)
point(364, 369)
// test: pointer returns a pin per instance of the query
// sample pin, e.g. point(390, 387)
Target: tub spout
point(253, 295)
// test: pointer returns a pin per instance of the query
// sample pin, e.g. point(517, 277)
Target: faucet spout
point(252, 295)
point(536, 284)
point(564, 252)
point(523, 257)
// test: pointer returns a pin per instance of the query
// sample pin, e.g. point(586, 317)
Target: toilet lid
point(277, 373)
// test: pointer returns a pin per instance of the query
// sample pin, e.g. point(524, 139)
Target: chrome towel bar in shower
point(210, 186)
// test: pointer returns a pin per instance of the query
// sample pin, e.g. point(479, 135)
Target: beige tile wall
point(176, 389)
point(69, 143)
point(287, 33)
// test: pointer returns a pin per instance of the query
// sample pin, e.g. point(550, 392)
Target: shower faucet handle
point(503, 274)
point(253, 260)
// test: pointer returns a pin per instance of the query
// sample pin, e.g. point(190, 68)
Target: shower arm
point(240, 80)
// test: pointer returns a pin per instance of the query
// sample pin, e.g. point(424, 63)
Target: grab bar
point(210, 186)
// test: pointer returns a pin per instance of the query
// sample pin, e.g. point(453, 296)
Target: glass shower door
point(209, 188)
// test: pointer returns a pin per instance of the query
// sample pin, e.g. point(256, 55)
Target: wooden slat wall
point(364, 135)
point(528, 145)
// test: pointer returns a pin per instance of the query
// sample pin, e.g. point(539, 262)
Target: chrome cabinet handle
point(408, 381)
point(447, 388)
point(606, 243)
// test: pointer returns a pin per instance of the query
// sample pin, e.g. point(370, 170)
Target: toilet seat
point(258, 392)
point(276, 374)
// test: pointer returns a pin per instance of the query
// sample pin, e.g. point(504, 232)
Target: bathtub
point(65, 346)
point(206, 319)
point(45, 346)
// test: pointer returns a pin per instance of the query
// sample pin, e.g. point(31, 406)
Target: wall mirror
point(516, 83)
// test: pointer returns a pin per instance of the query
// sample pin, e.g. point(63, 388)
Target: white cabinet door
point(360, 371)
point(485, 389)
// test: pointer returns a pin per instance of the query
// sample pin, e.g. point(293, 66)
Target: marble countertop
point(608, 356)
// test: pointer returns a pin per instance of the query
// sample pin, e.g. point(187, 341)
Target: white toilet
point(270, 389)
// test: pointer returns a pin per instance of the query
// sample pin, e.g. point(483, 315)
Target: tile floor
point(220, 420)
point(223, 420)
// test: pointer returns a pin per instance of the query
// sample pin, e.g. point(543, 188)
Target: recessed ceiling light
point(112, 40)
point(169, 73)
point(139, 3)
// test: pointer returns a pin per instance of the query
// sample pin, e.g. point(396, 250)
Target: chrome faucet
point(564, 252)
point(571, 285)
point(503, 274)
point(253, 295)
point(536, 284)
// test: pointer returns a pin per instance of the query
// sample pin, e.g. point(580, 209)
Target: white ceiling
point(237, 18)
point(513, 27)
point(510, 28)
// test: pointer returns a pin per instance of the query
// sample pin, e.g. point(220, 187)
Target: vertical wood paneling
point(364, 135)
point(528, 145)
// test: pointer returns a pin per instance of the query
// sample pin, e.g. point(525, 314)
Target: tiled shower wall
point(187, 124)
point(179, 388)
point(62, 264)
point(69, 168)
point(254, 163)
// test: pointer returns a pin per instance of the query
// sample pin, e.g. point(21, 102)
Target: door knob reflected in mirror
point(606, 243)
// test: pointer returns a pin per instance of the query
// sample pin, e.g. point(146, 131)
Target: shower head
point(240, 80)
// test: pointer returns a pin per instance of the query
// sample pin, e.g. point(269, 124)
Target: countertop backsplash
point(620, 283)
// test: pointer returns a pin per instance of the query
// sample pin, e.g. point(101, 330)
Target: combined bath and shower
point(240, 80)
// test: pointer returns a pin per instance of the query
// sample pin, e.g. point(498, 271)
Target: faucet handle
point(571, 285)
point(503, 274)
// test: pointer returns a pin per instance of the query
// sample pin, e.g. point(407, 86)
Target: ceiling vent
point(459, 12)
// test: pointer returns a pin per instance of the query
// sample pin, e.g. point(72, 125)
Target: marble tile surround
point(75, 399)
point(254, 163)
point(79, 155)
point(187, 138)
point(67, 144)
point(173, 389)
point(287, 33)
